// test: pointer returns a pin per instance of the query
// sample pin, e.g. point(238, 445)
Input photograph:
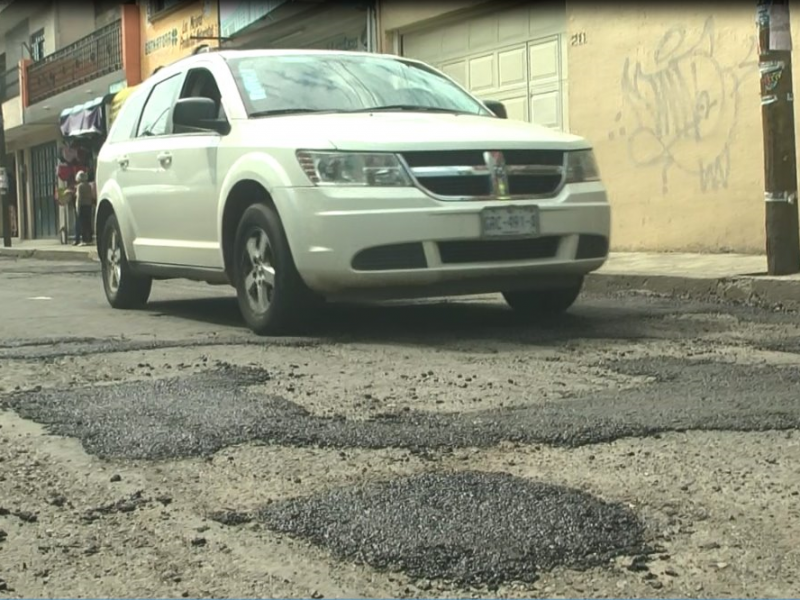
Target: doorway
point(43, 188)
point(13, 187)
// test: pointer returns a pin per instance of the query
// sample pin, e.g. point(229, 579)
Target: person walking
point(84, 201)
point(72, 209)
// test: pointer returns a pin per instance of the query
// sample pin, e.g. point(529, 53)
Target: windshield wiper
point(285, 111)
point(299, 111)
point(408, 107)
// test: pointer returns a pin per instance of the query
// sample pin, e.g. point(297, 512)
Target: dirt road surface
point(636, 447)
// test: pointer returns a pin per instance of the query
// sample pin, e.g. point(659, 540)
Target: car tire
point(124, 288)
point(544, 303)
point(273, 298)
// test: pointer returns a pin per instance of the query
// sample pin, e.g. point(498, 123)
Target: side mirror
point(198, 114)
point(497, 107)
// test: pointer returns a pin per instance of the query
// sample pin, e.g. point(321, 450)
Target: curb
point(762, 292)
point(88, 255)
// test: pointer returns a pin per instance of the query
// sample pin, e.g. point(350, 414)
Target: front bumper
point(409, 239)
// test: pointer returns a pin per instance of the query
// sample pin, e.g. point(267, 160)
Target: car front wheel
point(272, 296)
point(124, 288)
point(546, 302)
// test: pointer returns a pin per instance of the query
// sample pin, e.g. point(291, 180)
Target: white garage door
point(516, 56)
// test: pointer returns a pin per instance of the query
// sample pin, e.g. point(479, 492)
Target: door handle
point(165, 158)
point(123, 162)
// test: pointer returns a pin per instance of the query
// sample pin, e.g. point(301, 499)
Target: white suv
point(300, 176)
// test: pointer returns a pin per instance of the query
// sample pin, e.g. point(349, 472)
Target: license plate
point(510, 221)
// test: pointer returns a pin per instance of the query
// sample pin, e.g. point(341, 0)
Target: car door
point(113, 159)
point(148, 188)
point(189, 164)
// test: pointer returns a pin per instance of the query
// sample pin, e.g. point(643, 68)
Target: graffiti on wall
point(682, 105)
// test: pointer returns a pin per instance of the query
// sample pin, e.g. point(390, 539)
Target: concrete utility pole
point(780, 158)
point(4, 175)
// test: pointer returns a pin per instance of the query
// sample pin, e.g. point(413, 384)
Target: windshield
point(341, 83)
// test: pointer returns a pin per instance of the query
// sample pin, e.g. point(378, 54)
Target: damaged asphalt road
point(200, 414)
point(637, 447)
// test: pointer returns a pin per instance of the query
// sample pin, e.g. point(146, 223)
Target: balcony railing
point(93, 56)
point(9, 86)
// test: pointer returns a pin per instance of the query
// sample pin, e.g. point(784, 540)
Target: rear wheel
point(273, 298)
point(546, 302)
point(124, 289)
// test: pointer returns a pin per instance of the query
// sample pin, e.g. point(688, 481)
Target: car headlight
point(353, 169)
point(581, 166)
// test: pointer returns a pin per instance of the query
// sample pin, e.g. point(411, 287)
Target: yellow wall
point(167, 38)
point(670, 99)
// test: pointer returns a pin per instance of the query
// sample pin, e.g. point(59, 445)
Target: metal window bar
point(37, 45)
point(96, 55)
point(44, 161)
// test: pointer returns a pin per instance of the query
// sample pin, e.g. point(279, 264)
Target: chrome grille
point(479, 175)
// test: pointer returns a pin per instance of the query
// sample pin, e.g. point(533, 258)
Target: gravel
point(197, 415)
point(464, 375)
point(471, 528)
point(50, 349)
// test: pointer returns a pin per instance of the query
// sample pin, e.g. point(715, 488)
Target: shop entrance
point(11, 194)
point(76, 154)
point(44, 159)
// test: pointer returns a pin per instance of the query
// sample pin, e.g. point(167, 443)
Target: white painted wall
point(63, 24)
point(45, 18)
point(12, 113)
point(75, 20)
point(11, 44)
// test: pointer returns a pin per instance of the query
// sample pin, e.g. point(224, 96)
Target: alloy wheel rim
point(113, 262)
point(259, 280)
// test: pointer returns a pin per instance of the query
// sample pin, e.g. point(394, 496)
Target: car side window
point(200, 83)
point(124, 126)
point(155, 118)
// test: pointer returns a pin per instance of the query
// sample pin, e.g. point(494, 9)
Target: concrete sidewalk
point(49, 250)
point(739, 278)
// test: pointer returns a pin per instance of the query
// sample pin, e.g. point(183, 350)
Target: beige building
point(669, 96)
point(58, 62)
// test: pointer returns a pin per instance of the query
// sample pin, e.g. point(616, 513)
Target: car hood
point(397, 132)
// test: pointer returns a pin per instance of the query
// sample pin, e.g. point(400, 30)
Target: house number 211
point(577, 39)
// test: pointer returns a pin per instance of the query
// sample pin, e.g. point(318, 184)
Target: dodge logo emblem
point(498, 174)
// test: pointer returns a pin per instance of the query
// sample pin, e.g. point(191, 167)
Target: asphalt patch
point(198, 414)
point(162, 418)
point(471, 528)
